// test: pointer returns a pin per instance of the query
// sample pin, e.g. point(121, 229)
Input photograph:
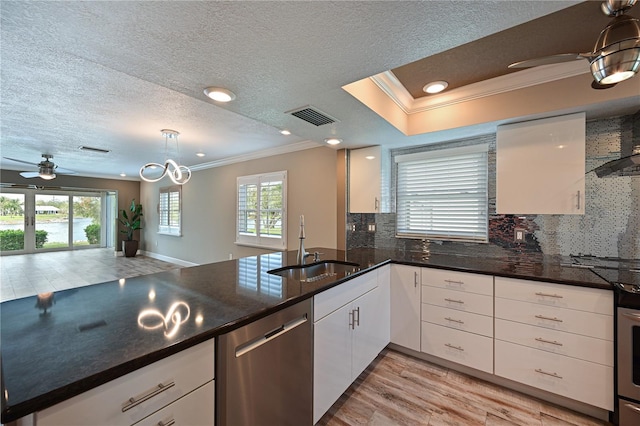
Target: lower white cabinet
point(347, 339)
point(468, 349)
point(406, 284)
point(197, 408)
point(131, 398)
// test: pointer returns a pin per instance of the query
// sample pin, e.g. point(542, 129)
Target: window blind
point(443, 194)
point(169, 211)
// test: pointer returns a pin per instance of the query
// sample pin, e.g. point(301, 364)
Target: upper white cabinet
point(364, 180)
point(540, 166)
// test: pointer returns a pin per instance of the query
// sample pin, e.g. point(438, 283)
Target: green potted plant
point(131, 221)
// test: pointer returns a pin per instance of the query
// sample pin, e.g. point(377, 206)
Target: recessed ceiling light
point(200, 154)
point(123, 174)
point(333, 141)
point(435, 87)
point(219, 94)
point(285, 132)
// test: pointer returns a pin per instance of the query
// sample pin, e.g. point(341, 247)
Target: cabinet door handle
point(139, 399)
point(634, 317)
point(632, 407)
point(552, 342)
point(578, 200)
point(356, 320)
point(376, 204)
point(454, 320)
point(454, 300)
point(454, 282)
point(352, 323)
point(169, 421)
point(548, 318)
point(415, 279)
point(556, 375)
point(557, 296)
point(458, 348)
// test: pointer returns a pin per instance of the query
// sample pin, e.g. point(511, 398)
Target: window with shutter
point(261, 210)
point(442, 194)
point(170, 211)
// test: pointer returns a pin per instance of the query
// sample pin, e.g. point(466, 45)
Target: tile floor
point(397, 389)
point(30, 274)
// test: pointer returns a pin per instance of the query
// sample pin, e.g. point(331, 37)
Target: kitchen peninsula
point(92, 335)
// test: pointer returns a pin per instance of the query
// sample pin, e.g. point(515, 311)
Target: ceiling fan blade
point(29, 174)
point(62, 171)
point(598, 86)
point(548, 60)
point(20, 161)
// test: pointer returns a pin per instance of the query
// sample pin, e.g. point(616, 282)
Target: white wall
point(209, 203)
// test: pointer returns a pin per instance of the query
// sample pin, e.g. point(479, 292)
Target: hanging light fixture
point(178, 173)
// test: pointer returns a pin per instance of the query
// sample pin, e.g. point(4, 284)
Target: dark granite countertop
point(91, 335)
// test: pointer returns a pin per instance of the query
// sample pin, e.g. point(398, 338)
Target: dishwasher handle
point(269, 336)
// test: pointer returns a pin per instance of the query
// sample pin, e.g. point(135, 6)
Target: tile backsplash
point(610, 226)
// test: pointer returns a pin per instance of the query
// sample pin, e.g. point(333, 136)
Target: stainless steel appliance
point(265, 371)
point(628, 358)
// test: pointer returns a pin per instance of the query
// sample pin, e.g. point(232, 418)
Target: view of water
point(58, 231)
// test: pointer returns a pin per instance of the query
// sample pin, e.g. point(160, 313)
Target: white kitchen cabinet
point(540, 166)
point(557, 338)
point(197, 408)
point(457, 317)
point(131, 398)
point(405, 306)
point(364, 180)
point(349, 337)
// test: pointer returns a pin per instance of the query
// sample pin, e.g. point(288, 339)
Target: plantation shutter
point(443, 194)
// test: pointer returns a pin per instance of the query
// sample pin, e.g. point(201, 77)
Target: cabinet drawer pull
point(415, 279)
point(139, 399)
point(632, 407)
point(454, 301)
point(356, 319)
point(557, 296)
point(556, 375)
point(454, 282)
point(549, 318)
point(454, 320)
point(376, 204)
point(552, 342)
point(458, 348)
point(170, 421)
point(352, 317)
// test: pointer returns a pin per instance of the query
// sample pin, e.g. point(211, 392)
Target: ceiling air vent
point(312, 115)
point(92, 149)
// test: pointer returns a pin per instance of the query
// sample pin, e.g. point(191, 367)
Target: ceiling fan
point(46, 169)
point(616, 54)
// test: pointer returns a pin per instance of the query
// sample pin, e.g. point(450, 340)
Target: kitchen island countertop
point(90, 335)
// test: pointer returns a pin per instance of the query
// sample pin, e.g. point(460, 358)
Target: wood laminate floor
point(397, 389)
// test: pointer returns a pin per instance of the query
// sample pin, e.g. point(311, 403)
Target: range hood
point(629, 162)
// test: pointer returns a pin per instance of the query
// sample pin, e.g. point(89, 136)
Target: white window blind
point(169, 211)
point(443, 194)
point(261, 210)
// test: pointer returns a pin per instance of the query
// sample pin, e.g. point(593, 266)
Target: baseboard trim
point(167, 258)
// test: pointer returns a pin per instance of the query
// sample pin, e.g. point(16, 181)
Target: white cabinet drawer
point(461, 281)
point(331, 300)
point(464, 348)
point(460, 320)
point(573, 378)
point(460, 300)
point(196, 408)
point(579, 322)
point(558, 295)
point(568, 344)
point(187, 370)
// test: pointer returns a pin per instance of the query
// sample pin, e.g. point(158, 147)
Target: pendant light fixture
point(153, 172)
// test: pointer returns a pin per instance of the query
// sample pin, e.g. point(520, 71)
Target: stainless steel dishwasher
point(265, 371)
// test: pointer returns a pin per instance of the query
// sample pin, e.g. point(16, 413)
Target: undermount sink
point(317, 271)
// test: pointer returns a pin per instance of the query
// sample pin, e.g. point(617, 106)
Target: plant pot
point(130, 248)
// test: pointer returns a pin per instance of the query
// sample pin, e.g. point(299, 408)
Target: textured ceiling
point(113, 74)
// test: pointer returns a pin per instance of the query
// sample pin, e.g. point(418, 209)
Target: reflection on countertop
point(100, 332)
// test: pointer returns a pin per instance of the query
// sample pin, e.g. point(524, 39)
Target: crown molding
point(390, 85)
point(285, 149)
